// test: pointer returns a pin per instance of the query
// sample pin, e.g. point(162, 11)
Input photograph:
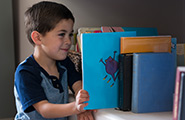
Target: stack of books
point(132, 72)
point(85, 30)
point(153, 72)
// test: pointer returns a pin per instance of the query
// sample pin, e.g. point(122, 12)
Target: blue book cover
point(173, 46)
point(174, 49)
point(100, 52)
point(153, 82)
point(142, 31)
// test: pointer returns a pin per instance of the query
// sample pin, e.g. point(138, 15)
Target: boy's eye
point(61, 34)
point(71, 35)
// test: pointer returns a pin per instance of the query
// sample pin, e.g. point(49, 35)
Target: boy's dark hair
point(44, 16)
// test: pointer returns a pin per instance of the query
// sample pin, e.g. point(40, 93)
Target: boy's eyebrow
point(65, 31)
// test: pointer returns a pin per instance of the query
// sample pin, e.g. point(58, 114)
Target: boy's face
point(57, 42)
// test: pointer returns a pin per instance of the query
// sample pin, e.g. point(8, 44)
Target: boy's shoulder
point(28, 64)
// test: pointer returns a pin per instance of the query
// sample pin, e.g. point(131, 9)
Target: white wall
point(7, 61)
point(166, 15)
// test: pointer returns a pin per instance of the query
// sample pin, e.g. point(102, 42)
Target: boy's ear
point(36, 37)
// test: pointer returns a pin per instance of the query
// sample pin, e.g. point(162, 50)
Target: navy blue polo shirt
point(34, 84)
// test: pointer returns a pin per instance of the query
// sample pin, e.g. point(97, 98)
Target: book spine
point(181, 92)
point(127, 82)
point(134, 105)
point(121, 64)
point(176, 95)
point(145, 44)
point(82, 56)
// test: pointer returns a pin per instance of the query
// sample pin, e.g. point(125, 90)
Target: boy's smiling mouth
point(65, 49)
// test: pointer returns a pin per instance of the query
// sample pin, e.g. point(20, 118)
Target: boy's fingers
point(80, 107)
point(87, 115)
point(81, 100)
point(82, 95)
point(83, 91)
point(90, 116)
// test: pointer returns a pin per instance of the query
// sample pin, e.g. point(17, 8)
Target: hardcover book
point(146, 44)
point(153, 82)
point(111, 29)
point(140, 31)
point(125, 81)
point(179, 71)
point(180, 54)
point(174, 49)
point(100, 69)
point(181, 112)
point(85, 30)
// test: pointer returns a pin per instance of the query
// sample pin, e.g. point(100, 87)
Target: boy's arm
point(77, 86)
point(50, 110)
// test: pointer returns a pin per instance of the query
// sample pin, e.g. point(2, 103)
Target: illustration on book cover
point(111, 67)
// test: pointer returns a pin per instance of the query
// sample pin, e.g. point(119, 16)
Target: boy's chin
point(63, 57)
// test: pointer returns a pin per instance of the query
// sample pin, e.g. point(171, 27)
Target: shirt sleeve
point(28, 86)
point(73, 75)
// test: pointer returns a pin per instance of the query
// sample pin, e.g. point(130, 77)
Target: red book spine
point(176, 95)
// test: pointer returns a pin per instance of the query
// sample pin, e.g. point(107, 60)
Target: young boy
point(42, 80)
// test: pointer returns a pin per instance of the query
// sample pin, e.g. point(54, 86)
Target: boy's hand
point(87, 115)
point(81, 97)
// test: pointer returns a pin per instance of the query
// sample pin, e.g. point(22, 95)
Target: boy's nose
point(68, 41)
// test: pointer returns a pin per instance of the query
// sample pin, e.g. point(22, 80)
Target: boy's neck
point(47, 64)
